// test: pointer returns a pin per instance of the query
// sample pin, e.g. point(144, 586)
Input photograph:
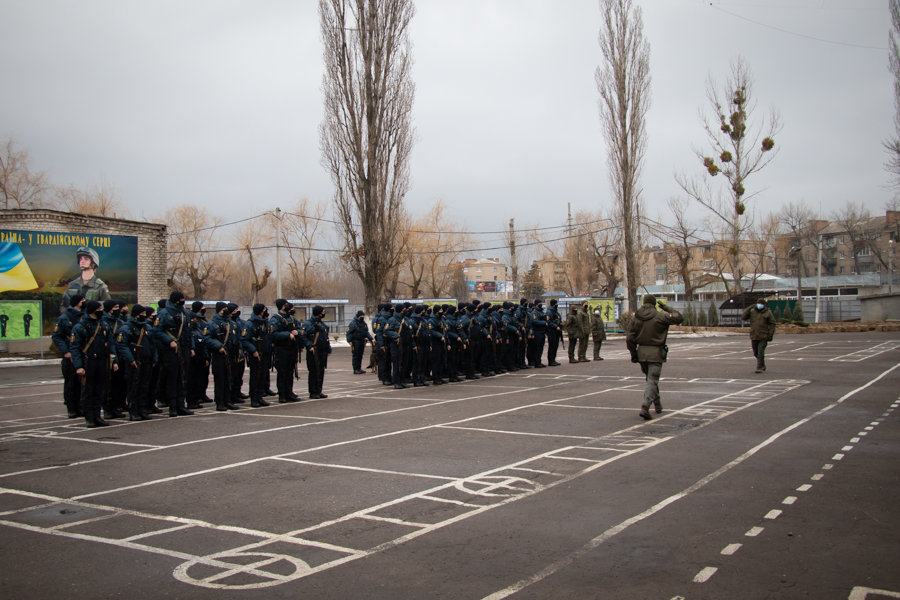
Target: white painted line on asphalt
point(804, 488)
point(731, 549)
point(568, 559)
point(365, 469)
point(846, 448)
point(754, 531)
point(863, 433)
point(817, 476)
point(156, 532)
point(526, 433)
point(82, 522)
point(854, 440)
point(704, 574)
point(789, 500)
point(773, 514)
point(861, 593)
point(827, 467)
point(837, 456)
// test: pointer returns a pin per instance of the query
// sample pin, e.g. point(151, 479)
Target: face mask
point(141, 317)
point(596, 312)
point(760, 306)
point(98, 314)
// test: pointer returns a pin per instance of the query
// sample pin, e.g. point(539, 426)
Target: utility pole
point(818, 279)
point(512, 258)
point(278, 253)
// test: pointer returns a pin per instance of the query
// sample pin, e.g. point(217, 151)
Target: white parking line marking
point(754, 531)
point(804, 488)
point(773, 514)
point(837, 456)
point(731, 549)
point(789, 500)
point(704, 574)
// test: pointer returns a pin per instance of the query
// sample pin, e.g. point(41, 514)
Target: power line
point(794, 33)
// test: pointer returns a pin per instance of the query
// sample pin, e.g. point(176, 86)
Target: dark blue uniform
point(71, 385)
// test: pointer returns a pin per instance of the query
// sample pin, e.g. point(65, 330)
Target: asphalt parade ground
point(538, 484)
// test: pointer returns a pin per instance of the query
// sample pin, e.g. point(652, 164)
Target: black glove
point(634, 357)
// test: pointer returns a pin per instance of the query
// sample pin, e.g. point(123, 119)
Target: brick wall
point(152, 245)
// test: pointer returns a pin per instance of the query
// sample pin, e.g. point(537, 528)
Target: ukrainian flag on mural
point(14, 271)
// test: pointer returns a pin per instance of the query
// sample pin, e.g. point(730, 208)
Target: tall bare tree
point(892, 144)
point(366, 136)
point(624, 83)
point(739, 150)
point(20, 187)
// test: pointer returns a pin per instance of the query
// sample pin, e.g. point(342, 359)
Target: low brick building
point(151, 240)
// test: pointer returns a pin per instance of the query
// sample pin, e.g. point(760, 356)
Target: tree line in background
point(375, 249)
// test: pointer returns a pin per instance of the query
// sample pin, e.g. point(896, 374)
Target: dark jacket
point(762, 322)
point(63, 329)
point(648, 330)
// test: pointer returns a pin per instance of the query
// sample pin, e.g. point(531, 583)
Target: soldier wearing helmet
point(87, 284)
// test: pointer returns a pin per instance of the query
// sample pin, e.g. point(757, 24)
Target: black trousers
point(359, 348)
point(137, 379)
point(171, 364)
point(71, 386)
point(396, 362)
point(93, 392)
point(257, 378)
point(552, 345)
point(384, 362)
point(316, 363)
point(222, 379)
point(437, 360)
point(198, 379)
point(537, 347)
point(421, 359)
point(284, 368)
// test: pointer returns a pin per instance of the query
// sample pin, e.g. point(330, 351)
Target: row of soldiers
point(118, 360)
point(418, 344)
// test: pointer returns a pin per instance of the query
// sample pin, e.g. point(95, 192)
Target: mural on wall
point(51, 267)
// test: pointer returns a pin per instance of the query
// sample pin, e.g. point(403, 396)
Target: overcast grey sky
point(217, 103)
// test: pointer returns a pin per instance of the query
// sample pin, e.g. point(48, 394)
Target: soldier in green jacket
point(598, 332)
point(572, 326)
point(87, 284)
point(646, 340)
point(762, 330)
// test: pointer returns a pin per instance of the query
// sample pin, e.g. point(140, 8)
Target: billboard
point(19, 320)
point(43, 265)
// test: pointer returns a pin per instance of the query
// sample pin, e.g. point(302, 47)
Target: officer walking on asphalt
point(646, 340)
point(762, 330)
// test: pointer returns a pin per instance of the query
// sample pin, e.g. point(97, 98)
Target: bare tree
point(892, 144)
point(739, 152)
point(100, 200)
point(20, 187)
point(799, 221)
point(679, 238)
point(367, 135)
point(192, 232)
point(853, 218)
point(256, 242)
point(300, 231)
point(624, 84)
point(430, 253)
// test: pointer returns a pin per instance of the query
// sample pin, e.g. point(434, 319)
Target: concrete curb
point(38, 362)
